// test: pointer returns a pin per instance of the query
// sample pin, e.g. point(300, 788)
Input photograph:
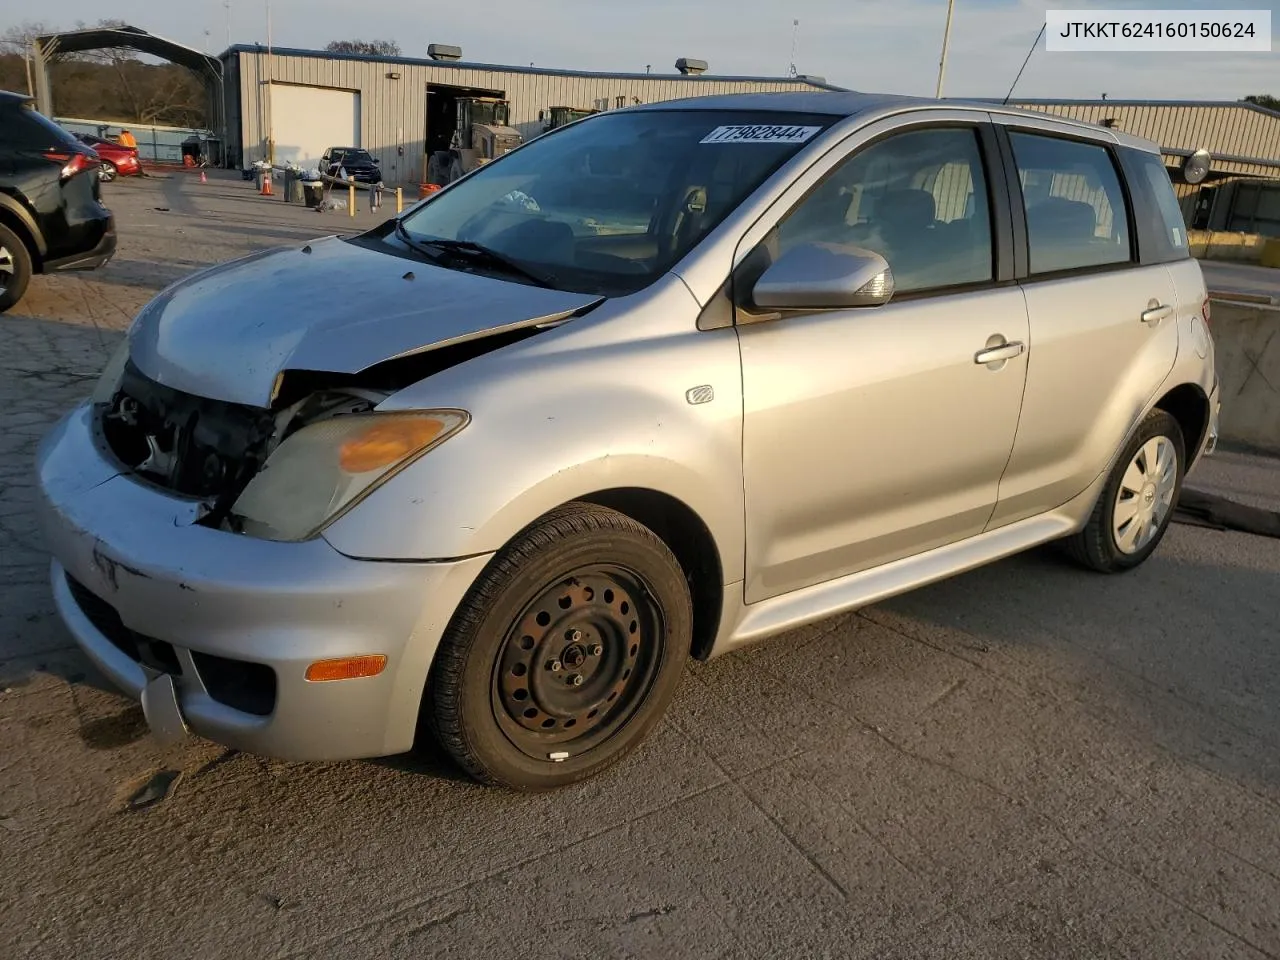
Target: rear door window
point(34, 131)
point(1077, 216)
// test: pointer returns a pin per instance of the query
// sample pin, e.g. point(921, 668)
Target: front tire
point(1137, 503)
point(565, 652)
point(15, 268)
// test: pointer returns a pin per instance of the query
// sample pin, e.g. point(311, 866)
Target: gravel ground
point(1026, 761)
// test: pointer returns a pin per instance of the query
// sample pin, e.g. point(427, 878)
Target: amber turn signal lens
point(385, 443)
point(346, 668)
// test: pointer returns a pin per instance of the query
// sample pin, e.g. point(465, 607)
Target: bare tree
point(369, 48)
point(18, 40)
point(119, 59)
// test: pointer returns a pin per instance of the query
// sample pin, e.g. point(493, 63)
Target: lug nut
point(573, 636)
point(553, 665)
point(576, 679)
point(596, 649)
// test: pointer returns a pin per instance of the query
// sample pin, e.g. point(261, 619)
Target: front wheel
point(565, 652)
point(1137, 503)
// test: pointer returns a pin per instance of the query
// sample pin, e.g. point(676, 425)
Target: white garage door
point(306, 121)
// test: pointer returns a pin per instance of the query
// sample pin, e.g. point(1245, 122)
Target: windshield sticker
point(760, 133)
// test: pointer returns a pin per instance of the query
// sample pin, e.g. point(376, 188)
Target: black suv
point(51, 216)
point(358, 163)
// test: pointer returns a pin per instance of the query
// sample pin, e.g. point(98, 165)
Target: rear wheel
point(564, 654)
point(15, 268)
point(1137, 504)
point(107, 172)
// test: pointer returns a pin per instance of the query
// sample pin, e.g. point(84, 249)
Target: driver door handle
point(1155, 313)
point(1005, 351)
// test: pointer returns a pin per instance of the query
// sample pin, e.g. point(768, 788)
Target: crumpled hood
point(226, 332)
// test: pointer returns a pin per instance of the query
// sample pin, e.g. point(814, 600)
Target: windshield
point(357, 156)
point(609, 205)
point(493, 114)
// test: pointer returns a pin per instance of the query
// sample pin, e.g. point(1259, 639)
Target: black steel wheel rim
point(578, 662)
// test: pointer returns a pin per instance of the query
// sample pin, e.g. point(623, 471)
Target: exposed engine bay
point(209, 449)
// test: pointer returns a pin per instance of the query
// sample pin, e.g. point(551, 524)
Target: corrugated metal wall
point(393, 112)
point(1222, 129)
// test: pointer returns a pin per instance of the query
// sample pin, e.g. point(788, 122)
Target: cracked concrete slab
point(1027, 761)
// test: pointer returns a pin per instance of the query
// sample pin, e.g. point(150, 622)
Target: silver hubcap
point(6, 267)
point(1145, 497)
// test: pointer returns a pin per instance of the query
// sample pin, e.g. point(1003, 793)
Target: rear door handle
point(995, 354)
point(1155, 313)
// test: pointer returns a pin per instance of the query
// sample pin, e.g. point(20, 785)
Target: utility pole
point(795, 33)
point(946, 37)
point(226, 6)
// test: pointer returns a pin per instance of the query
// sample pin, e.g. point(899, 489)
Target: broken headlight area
point(208, 449)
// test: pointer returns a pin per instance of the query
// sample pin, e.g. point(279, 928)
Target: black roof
point(97, 38)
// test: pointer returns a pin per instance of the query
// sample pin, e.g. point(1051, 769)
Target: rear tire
point(108, 171)
point(1137, 504)
point(15, 268)
point(565, 652)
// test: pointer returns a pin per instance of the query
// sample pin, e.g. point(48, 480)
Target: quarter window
point(919, 199)
point(1171, 232)
point(1076, 213)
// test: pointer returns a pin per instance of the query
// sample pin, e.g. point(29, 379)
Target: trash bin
point(287, 192)
point(313, 192)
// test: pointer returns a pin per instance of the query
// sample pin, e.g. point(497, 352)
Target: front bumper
point(148, 593)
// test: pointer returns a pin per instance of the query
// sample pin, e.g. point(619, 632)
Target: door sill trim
point(801, 607)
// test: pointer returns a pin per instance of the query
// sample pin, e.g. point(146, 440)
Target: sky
point(888, 46)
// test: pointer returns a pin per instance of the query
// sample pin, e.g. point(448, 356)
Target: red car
point(117, 160)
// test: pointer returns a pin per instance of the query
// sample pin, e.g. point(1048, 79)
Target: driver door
point(876, 433)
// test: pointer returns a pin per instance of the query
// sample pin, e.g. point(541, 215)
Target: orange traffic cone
point(203, 178)
point(266, 184)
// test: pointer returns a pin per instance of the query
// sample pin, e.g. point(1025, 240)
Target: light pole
point(946, 36)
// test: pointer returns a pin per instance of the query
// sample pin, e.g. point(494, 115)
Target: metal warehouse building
point(1242, 191)
point(290, 105)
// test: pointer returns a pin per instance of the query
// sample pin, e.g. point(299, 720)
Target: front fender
point(553, 421)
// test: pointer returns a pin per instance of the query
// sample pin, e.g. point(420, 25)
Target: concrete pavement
point(1027, 761)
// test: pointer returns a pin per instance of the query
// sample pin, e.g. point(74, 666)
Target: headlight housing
point(321, 471)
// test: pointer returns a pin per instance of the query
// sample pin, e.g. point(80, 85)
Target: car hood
point(333, 306)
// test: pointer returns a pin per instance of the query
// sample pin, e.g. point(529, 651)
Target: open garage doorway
point(442, 116)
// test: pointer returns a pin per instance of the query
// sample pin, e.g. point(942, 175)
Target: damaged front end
point(204, 449)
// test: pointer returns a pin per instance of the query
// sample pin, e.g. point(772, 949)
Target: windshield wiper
point(471, 250)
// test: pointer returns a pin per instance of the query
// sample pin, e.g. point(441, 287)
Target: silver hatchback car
point(666, 381)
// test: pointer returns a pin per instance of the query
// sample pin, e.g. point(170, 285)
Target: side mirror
point(817, 276)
